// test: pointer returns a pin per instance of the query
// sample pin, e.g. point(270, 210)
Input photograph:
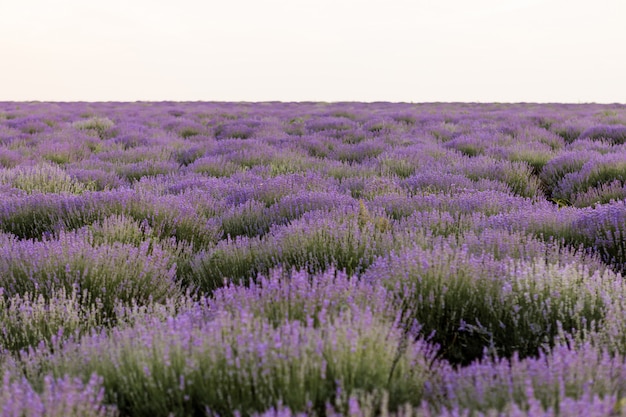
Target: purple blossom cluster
point(67, 396)
point(283, 259)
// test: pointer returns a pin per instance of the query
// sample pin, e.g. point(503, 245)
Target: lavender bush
point(65, 397)
point(312, 259)
point(240, 362)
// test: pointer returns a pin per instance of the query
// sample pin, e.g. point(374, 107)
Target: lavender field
point(282, 259)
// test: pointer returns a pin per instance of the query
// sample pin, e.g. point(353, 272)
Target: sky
point(314, 50)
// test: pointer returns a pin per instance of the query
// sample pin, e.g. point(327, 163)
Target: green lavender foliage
point(241, 362)
point(105, 273)
point(44, 178)
point(472, 303)
point(30, 319)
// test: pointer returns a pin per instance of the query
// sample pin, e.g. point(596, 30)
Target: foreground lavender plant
point(107, 273)
point(240, 362)
point(63, 397)
point(473, 302)
point(29, 320)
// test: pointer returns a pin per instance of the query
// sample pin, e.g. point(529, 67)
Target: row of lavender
point(329, 259)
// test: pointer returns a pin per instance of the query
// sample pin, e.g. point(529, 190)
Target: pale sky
point(314, 50)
